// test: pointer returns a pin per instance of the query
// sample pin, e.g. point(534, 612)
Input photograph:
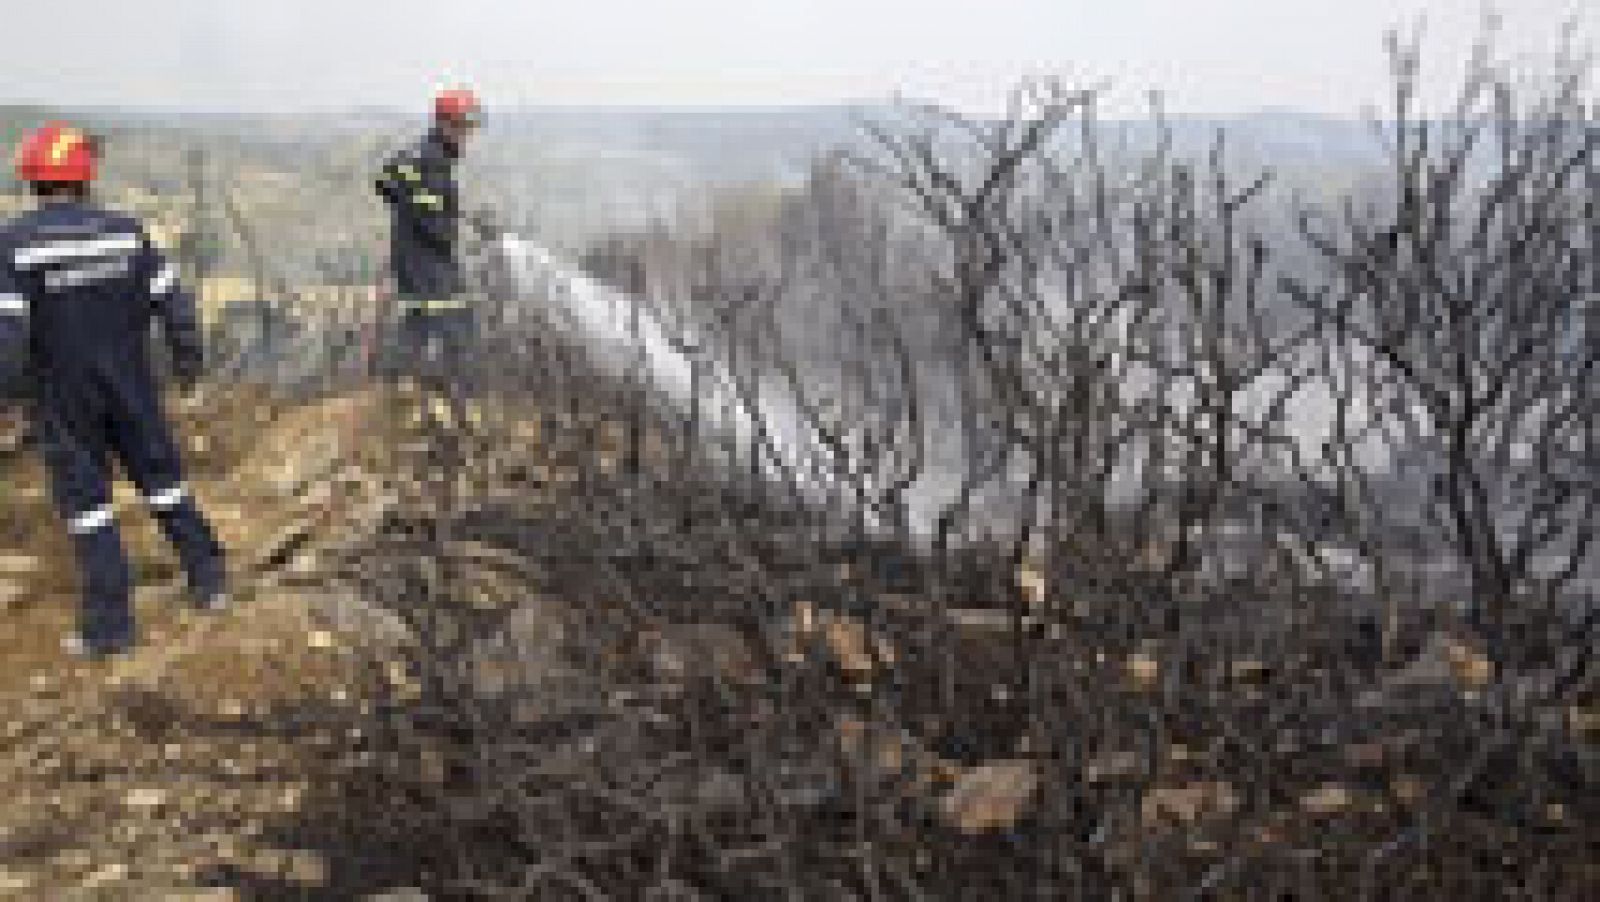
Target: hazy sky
point(1209, 55)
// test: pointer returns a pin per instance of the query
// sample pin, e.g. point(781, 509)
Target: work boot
point(204, 564)
point(105, 615)
point(76, 646)
point(208, 585)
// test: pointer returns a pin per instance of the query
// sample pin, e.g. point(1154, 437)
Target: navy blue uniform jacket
point(79, 287)
point(419, 186)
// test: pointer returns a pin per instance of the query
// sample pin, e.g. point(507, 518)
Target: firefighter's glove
point(486, 223)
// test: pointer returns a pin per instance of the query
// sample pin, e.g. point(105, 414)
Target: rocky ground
point(498, 701)
point(151, 776)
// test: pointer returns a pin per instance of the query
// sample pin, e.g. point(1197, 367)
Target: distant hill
point(723, 143)
point(743, 143)
point(572, 172)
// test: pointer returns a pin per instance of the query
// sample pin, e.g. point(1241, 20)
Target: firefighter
point(436, 322)
point(79, 287)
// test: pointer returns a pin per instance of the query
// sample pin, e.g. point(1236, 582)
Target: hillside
point(399, 677)
point(139, 777)
point(577, 639)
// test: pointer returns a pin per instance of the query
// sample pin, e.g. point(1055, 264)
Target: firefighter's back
point(80, 267)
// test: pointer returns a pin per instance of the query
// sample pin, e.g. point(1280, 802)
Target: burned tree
point(1471, 297)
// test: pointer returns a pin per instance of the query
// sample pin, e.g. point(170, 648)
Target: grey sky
point(1209, 55)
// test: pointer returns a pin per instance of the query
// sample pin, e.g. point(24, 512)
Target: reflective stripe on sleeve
point(163, 281)
point(13, 305)
point(166, 499)
point(91, 520)
point(428, 199)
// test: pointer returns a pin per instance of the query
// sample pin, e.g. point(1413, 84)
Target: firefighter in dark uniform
point(437, 324)
point(79, 287)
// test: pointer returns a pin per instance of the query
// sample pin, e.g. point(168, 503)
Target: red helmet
point(56, 153)
point(459, 105)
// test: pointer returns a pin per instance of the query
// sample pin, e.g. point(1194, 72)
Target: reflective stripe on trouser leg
point(105, 616)
point(433, 305)
point(92, 520)
point(167, 499)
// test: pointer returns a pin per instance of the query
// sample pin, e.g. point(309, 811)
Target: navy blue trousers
point(84, 420)
point(438, 346)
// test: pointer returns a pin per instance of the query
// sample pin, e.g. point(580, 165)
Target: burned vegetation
point(1144, 543)
point(1036, 517)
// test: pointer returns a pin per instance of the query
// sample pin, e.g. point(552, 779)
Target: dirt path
point(151, 776)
